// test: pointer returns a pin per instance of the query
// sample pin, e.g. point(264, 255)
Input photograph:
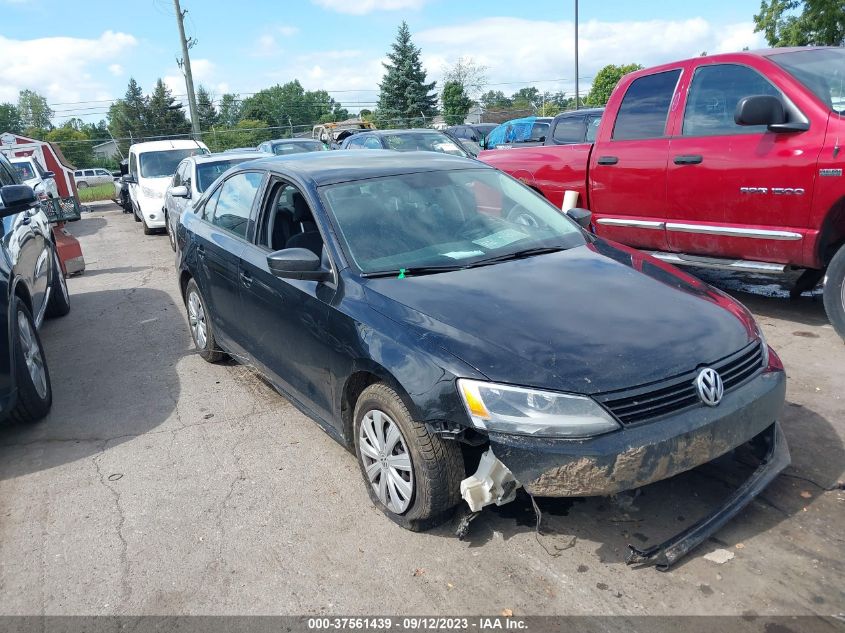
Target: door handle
point(608, 160)
point(246, 279)
point(26, 219)
point(688, 159)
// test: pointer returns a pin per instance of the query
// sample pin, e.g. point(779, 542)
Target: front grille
point(643, 403)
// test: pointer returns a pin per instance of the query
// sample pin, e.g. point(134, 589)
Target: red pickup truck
point(732, 161)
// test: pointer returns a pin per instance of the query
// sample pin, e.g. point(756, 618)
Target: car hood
point(591, 319)
point(32, 182)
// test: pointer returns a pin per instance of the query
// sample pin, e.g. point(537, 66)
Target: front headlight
point(522, 411)
point(151, 193)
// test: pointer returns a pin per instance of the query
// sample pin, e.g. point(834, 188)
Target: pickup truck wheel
point(59, 298)
point(412, 475)
point(199, 321)
point(35, 394)
point(834, 291)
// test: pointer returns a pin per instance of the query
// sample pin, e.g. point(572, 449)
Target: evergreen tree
point(165, 118)
point(206, 113)
point(405, 99)
point(128, 116)
point(456, 103)
point(230, 110)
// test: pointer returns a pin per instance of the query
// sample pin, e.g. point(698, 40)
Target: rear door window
point(645, 107)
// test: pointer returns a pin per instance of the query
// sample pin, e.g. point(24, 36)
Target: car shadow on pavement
point(116, 270)
point(110, 383)
point(658, 511)
point(86, 226)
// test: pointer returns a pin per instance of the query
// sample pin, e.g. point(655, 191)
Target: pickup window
point(569, 130)
point(645, 107)
point(714, 94)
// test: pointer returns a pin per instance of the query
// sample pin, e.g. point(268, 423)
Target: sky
point(80, 55)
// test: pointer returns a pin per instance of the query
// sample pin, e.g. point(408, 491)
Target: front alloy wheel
point(386, 460)
point(32, 356)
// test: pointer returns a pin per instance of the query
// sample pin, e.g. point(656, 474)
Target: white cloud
point(287, 31)
point(116, 69)
point(267, 44)
point(362, 7)
point(63, 69)
point(203, 71)
point(521, 50)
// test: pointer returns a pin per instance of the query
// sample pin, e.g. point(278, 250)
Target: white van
point(151, 169)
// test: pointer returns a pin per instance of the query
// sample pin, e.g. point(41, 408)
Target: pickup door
point(737, 191)
point(628, 163)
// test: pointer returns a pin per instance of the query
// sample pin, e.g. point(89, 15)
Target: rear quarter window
point(645, 107)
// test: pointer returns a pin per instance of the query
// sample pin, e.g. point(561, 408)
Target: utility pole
point(576, 53)
point(186, 68)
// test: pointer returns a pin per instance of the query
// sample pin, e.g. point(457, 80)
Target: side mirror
point(16, 198)
point(759, 110)
point(48, 174)
point(582, 217)
point(297, 263)
point(542, 139)
point(129, 179)
point(180, 192)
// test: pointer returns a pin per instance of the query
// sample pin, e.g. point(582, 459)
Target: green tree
point(230, 110)
point(10, 118)
point(495, 100)
point(206, 112)
point(290, 105)
point(405, 98)
point(456, 103)
point(525, 98)
point(605, 81)
point(127, 117)
point(164, 116)
point(246, 133)
point(34, 112)
point(802, 22)
point(74, 144)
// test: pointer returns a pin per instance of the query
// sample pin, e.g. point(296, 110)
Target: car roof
point(329, 168)
point(157, 146)
point(221, 156)
point(293, 140)
point(580, 112)
point(21, 159)
point(414, 130)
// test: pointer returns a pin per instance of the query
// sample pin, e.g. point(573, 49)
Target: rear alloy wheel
point(59, 298)
point(412, 475)
point(199, 323)
point(35, 394)
point(834, 291)
point(170, 235)
point(82, 185)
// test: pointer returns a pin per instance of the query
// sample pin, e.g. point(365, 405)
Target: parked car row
point(32, 287)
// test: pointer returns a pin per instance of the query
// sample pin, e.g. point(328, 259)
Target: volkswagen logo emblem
point(710, 386)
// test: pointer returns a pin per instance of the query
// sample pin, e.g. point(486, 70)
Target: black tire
point(59, 297)
point(170, 235)
point(437, 464)
point(834, 291)
point(30, 405)
point(147, 230)
point(82, 185)
point(135, 214)
point(210, 351)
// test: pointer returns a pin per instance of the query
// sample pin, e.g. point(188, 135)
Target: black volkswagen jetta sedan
point(426, 309)
point(32, 286)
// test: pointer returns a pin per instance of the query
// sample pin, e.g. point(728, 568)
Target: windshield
point(423, 142)
point(24, 170)
point(283, 149)
point(207, 173)
point(822, 71)
point(163, 164)
point(443, 218)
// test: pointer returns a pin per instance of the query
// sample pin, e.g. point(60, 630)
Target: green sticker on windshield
point(401, 274)
point(500, 238)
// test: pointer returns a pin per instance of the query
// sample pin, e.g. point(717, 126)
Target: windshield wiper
point(411, 272)
point(527, 252)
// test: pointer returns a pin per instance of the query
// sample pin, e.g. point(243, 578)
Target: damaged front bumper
point(636, 456)
point(639, 455)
